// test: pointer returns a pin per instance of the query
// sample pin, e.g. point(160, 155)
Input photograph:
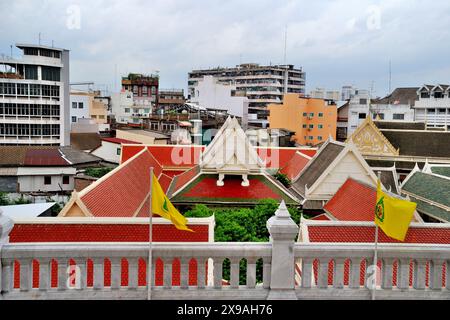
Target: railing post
point(283, 232)
point(6, 225)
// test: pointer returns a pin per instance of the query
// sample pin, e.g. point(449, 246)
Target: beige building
point(143, 136)
point(89, 105)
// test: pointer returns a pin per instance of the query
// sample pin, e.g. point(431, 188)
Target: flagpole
point(150, 241)
point(375, 262)
point(375, 255)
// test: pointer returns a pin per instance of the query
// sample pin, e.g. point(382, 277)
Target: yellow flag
point(164, 208)
point(393, 215)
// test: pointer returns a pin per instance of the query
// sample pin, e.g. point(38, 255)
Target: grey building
point(34, 97)
point(262, 85)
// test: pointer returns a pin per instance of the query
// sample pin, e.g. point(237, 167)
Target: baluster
point(82, 267)
point(403, 274)
point(323, 273)
point(338, 273)
point(307, 267)
point(167, 273)
point(355, 273)
point(419, 274)
point(436, 274)
point(99, 277)
point(7, 275)
point(116, 274)
point(251, 273)
point(44, 274)
point(25, 275)
point(218, 262)
point(133, 273)
point(266, 272)
point(447, 274)
point(387, 273)
point(184, 273)
point(62, 274)
point(201, 266)
point(234, 272)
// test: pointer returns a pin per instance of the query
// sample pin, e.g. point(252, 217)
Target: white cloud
point(336, 42)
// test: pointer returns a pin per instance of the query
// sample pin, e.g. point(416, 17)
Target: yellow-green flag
point(393, 215)
point(164, 208)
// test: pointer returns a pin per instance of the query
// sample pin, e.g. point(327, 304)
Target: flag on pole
point(162, 206)
point(393, 215)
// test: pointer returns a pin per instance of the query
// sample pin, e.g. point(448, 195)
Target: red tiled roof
point(365, 233)
point(354, 201)
point(173, 173)
point(179, 181)
point(44, 157)
point(124, 232)
point(119, 141)
point(165, 181)
point(295, 165)
point(321, 217)
point(123, 190)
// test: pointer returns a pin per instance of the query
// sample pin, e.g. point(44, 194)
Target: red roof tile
point(165, 181)
point(179, 181)
point(354, 201)
point(119, 141)
point(294, 166)
point(324, 231)
point(122, 191)
point(44, 157)
point(321, 217)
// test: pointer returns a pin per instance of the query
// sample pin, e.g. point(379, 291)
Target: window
point(74, 119)
point(127, 110)
point(441, 111)
point(431, 111)
point(320, 115)
point(305, 114)
point(74, 105)
point(362, 116)
point(438, 95)
point(35, 90)
point(66, 180)
point(319, 138)
point(311, 138)
point(80, 105)
point(320, 126)
point(147, 110)
point(50, 74)
point(311, 114)
point(47, 180)
point(135, 89)
point(398, 116)
point(22, 89)
point(425, 95)
point(118, 151)
point(381, 115)
point(31, 73)
point(153, 90)
point(304, 126)
point(101, 117)
point(311, 126)
point(362, 101)
point(144, 91)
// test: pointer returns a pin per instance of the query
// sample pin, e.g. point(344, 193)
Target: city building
point(397, 106)
point(143, 136)
point(89, 105)
point(111, 149)
point(34, 97)
point(348, 92)
point(211, 93)
point(170, 98)
point(322, 93)
point(433, 106)
point(79, 107)
point(312, 120)
point(353, 113)
point(263, 85)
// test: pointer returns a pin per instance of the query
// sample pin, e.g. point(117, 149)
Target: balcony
point(289, 270)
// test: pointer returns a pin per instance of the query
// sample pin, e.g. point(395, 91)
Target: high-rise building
point(35, 97)
point(263, 85)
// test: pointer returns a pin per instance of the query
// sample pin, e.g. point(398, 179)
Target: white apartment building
point(79, 107)
point(322, 93)
point(126, 109)
point(353, 113)
point(398, 106)
point(433, 106)
point(212, 94)
point(34, 97)
point(263, 85)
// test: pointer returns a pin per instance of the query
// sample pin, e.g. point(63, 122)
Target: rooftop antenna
point(39, 38)
point(285, 43)
point(53, 42)
point(390, 82)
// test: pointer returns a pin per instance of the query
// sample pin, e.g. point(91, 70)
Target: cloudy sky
point(336, 42)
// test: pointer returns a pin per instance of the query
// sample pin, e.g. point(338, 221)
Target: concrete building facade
point(312, 120)
point(433, 106)
point(263, 85)
point(34, 97)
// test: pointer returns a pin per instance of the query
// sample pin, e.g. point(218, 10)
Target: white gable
point(348, 164)
point(230, 152)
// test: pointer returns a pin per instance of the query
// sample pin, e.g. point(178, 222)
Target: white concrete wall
point(120, 102)
point(76, 112)
point(390, 110)
point(210, 94)
point(436, 118)
point(108, 152)
point(31, 179)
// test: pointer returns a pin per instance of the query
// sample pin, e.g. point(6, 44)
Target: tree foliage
point(242, 225)
point(97, 172)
